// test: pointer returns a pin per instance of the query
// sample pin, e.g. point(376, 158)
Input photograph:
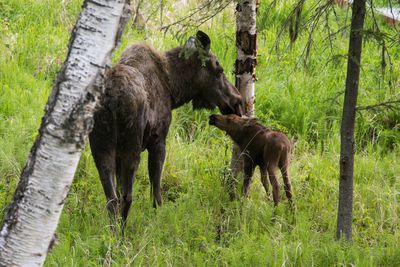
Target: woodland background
point(299, 91)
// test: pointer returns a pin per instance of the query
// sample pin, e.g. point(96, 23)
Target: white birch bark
point(38, 201)
point(246, 12)
point(246, 45)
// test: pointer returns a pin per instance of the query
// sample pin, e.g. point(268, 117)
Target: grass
point(198, 225)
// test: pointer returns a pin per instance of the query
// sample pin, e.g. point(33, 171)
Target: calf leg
point(129, 164)
point(155, 166)
point(284, 167)
point(248, 174)
point(264, 180)
point(275, 186)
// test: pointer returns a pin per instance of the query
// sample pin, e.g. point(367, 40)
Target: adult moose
point(135, 112)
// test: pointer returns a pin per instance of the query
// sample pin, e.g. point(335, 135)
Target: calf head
point(228, 123)
point(209, 82)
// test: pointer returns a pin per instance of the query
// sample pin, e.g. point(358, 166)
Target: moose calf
point(261, 147)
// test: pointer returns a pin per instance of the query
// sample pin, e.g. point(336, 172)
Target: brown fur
point(261, 147)
point(135, 112)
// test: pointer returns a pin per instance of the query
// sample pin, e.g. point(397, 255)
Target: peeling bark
point(245, 68)
point(246, 44)
point(33, 215)
point(345, 209)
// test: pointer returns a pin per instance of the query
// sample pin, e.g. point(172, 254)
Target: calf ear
point(204, 40)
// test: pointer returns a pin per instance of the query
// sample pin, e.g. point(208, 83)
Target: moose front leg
point(155, 166)
point(248, 174)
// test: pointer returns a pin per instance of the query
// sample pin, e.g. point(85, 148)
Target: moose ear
point(204, 40)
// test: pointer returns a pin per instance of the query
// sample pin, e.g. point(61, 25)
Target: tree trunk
point(245, 70)
point(33, 215)
point(345, 209)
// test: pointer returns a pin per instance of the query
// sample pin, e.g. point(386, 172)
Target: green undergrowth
point(198, 225)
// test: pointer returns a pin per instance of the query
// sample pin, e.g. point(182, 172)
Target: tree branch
point(391, 104)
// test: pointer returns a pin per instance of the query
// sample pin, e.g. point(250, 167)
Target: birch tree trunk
point(345, 208)
point(245, 70)
point(33, 215)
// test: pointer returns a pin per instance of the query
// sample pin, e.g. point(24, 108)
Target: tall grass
point(197, 224)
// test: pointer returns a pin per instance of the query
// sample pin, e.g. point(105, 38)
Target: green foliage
point(198, 225)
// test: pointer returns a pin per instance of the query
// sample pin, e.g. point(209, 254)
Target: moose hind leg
point(264, 180)
point(275, 186)
point(103, 147)
point(155, 166)
point(118, 168)
point(284, 167)
point(105, 164)
point(129, 164)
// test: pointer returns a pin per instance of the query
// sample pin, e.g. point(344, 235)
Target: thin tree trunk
point(345, 208)
point(38, 201)
point(245, 70)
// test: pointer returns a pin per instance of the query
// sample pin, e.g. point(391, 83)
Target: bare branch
point(391, 104)
point(195, 18)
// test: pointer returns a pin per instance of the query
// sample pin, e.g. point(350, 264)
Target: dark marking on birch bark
point(43, 194)
point(247, 66)
point(247, 42)
point(96, 65)
point(53, 241)
point(97, 3)
point(65, 194)
point(90, 29)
